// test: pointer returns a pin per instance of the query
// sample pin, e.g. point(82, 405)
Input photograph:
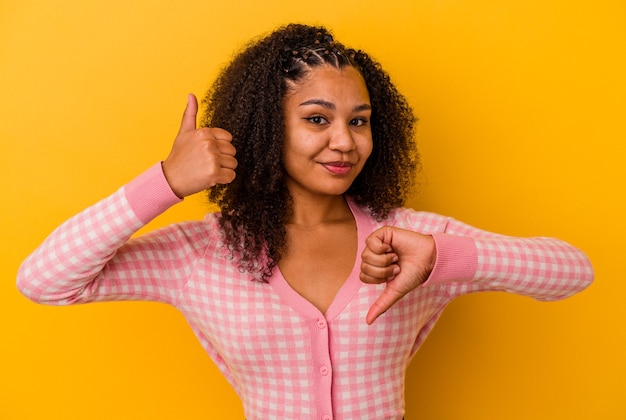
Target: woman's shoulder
point(418, 220)
point(206, 229)
point(198, 234)
point(405, 218)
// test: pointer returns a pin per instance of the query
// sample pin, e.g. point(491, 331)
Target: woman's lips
point(338, 168)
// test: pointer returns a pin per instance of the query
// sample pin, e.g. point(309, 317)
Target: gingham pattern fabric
point(285, 359)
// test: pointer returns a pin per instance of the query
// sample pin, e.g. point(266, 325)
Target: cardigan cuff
point(457, 259)
point(149, 194)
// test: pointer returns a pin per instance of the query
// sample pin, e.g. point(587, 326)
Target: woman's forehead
point(330, 80)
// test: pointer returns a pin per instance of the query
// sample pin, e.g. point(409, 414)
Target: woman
point(313, 287)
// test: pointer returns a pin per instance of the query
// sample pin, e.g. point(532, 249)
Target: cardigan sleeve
point(472, 260)
point(91, 257)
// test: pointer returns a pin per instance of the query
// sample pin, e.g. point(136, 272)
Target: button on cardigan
point(284, 358)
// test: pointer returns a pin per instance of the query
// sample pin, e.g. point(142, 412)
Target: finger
point(378, 260)
point(225, 176)
point(216, 133)
point(228, 162)
point(189, 116)
point(379, 242)
point(387, 298)
point(374, 275)
point(378, 267)
point(225, 147)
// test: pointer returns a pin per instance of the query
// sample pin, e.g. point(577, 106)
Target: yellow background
point(522, 131)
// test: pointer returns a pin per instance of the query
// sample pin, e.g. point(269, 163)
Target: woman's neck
point(310, 212)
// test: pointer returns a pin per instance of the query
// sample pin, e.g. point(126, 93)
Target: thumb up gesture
point(200, 157)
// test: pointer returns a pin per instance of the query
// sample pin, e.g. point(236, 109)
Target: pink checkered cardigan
point(286, 359)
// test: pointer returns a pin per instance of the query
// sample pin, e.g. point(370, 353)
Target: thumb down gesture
point(400, 258)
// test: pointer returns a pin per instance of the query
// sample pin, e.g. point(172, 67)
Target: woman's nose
point(341, 139)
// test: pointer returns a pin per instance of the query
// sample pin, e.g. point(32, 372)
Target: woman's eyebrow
point(320, 102)
point(330, 105)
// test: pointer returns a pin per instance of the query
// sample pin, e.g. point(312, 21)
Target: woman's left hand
point(401, 258)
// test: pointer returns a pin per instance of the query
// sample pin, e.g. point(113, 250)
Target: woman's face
point(328, 136)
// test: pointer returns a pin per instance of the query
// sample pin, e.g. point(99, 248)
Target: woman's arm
point(468, 259)
point(89, 257)
point(539, 267)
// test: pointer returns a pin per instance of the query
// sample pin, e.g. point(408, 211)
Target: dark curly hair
point(247, 100)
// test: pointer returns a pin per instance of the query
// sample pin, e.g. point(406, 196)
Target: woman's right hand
point(200, 157)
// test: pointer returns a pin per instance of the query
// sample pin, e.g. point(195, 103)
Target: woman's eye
point(358, 122)
point(317, 120)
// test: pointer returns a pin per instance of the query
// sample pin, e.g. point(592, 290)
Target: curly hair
point(246, 99)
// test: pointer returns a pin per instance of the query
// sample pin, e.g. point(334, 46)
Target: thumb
point(387, 298)
point(189, 116)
